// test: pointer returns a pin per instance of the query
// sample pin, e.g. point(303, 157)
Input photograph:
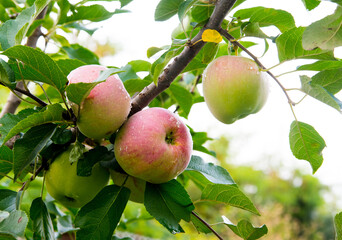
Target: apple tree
point(93, 138)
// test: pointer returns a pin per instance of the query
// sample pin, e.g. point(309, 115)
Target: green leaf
point(90, 158)
point(14, 224)
point(184, 8)
point(166, 9)
point(199, 138)
point(3, 14)
point(7, 200)
point(127, 73)
point(76, 152)
point(51, 114)
point(320, 93)
point(173, 204)
point(94, 13)
point(125, 2)
point(331, 80)
point(140, 65)
point(7, 3)
point(253, 30)
point(38, 66)
point(65, 224)
point(228, 194)
point(78, 26)
point(160, 63)
point(209, 51)
point(27, 148)
point(42, 223)
point(267, 17)
point(13, 31)
point(99, 218)
point(183, 97)
point(213, 173)
point(311, 4)
point(10, 120)
point(153, 50)
point(321, 66)
point(325, 33)
point(76, 51)
point(7, 75)
point(135, 85)
point(338, 226)
point(67, 65)
point(306, 144)
point(289, 46)
point(246, 230)
point(201, 12)
point(6, 161)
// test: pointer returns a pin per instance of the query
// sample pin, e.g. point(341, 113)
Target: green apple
point(63, 184)
point(136, 185)
point(106, 107)
point(234, 87)
point(153, 145)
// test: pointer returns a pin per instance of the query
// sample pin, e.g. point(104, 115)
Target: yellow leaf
point(211, 35)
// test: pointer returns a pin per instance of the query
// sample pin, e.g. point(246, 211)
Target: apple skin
point(136, 185)
point(233, 88)
point(153, 145)
point(106, 107)
point(63, 184)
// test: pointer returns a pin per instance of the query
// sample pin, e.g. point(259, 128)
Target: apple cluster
point(153, 145)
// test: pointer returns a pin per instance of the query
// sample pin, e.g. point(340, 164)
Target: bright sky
point(261, 139)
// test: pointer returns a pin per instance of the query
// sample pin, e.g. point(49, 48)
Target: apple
point(153, 145)
point(63, 184)
point(233, 88)
point(136, 185)
point(106, 107)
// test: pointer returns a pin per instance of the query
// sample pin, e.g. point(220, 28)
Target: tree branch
point(182, 60)
point(13, 101)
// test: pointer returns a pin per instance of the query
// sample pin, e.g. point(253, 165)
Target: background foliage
point(290, 208)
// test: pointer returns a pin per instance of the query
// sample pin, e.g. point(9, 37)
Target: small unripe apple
point(233, 88)
point(63, 184)
point(106, 107)
point(153, 145)
point(136, 185)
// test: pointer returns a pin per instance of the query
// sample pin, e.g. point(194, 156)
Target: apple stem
point(207, 225)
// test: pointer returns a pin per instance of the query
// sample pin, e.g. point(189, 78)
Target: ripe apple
point(153, 145)
point(233, 88)
point(71, 190)
point(106, 107)
point(136, 185)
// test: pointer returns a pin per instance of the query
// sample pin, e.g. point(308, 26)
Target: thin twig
point(225, 34)
point(32, 177)
point(207, 225)
point(30, 95)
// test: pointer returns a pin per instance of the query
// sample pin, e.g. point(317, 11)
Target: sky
point(259, 140)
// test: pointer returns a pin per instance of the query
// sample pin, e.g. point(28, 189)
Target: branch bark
point(182, 60)
point(13, 101)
